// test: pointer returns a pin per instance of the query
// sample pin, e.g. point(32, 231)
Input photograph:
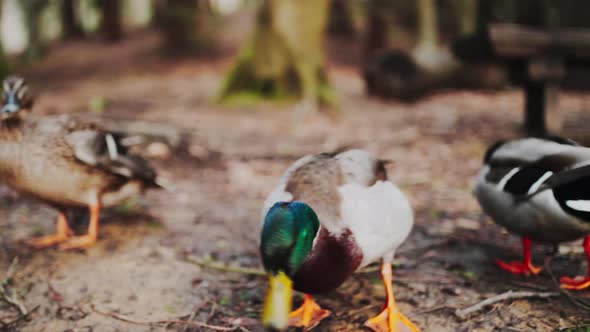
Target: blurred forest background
point(402, 47)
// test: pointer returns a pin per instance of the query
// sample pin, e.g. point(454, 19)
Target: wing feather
point(104, 150)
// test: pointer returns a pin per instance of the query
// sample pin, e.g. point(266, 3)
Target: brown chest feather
point(332, 261)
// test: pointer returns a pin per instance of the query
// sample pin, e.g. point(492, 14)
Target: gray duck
point(538, 188)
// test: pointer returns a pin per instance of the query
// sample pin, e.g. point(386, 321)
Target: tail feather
point(164, 183)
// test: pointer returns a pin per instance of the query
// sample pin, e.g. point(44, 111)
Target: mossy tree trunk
point(428, 52)
point(467, 14)
point(428, 20)
point(69, 20)
point(110, 23)
point(32, 12)
point(284, 56)
point(184, 25)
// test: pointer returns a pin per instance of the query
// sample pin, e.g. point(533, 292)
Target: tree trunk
point(110, 24)
point(32, 11)
point(4, 67)
point(467, 15)
point(184, 26)
point(340, 22)
point(284, 58)
point(69, 20)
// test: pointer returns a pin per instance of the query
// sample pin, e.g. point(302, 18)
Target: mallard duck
point(538, 189)
point(331, 215)
point(66, 163)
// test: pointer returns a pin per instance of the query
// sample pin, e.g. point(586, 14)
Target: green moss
point(277, 63)
point(99, 104)
point(327, 95)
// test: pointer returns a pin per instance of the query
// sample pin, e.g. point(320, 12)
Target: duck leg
point(62, 233)
point(88, 240)
point(578, 283)
point(390, 319)
point(308, 315)
point(525, 267)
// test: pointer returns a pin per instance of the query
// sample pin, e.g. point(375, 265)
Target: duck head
point(16, 98)
point(287, 239)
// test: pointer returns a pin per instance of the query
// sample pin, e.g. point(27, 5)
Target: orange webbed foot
point(308, 315)
point(390, 319)
point(577, 283)
point(525, 267)
point(78, 242)
point(519, 267)
point(88, 240)
point(46, 241)
point(62, 233)
point(398, 323)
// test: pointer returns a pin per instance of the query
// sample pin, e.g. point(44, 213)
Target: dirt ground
point(234, 156)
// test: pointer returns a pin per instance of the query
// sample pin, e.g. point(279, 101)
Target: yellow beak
point(277, 305)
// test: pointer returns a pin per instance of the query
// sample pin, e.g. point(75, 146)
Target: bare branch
point(509, 295)
point(158, 322)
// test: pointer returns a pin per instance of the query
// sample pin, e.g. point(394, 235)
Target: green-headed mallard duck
point(330, 216)
point(540, 190)
point(65, 163)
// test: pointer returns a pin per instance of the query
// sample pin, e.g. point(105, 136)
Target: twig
point(158, 322)
point(7, 325)
point(431, 310)
point(210, 264)
point(190, 319)
point(8, 296)
point(509, 295)
point(578, 302)
point(351, 313)
point(215, 265)
point(212, 311)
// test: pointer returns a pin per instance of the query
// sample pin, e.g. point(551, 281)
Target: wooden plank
point(546, 68)
point(518, 41)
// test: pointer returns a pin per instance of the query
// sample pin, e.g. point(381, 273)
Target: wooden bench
point(537, 59)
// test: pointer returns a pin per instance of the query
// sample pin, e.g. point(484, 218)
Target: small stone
point(158, 150)
point(467, 224)
point(198, 151)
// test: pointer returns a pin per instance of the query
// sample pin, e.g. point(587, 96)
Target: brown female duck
point(66, 163)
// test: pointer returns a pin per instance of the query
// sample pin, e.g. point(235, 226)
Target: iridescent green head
point(287, 236)
point(286, 240)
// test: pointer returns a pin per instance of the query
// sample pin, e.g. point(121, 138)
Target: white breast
point(379, 217)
